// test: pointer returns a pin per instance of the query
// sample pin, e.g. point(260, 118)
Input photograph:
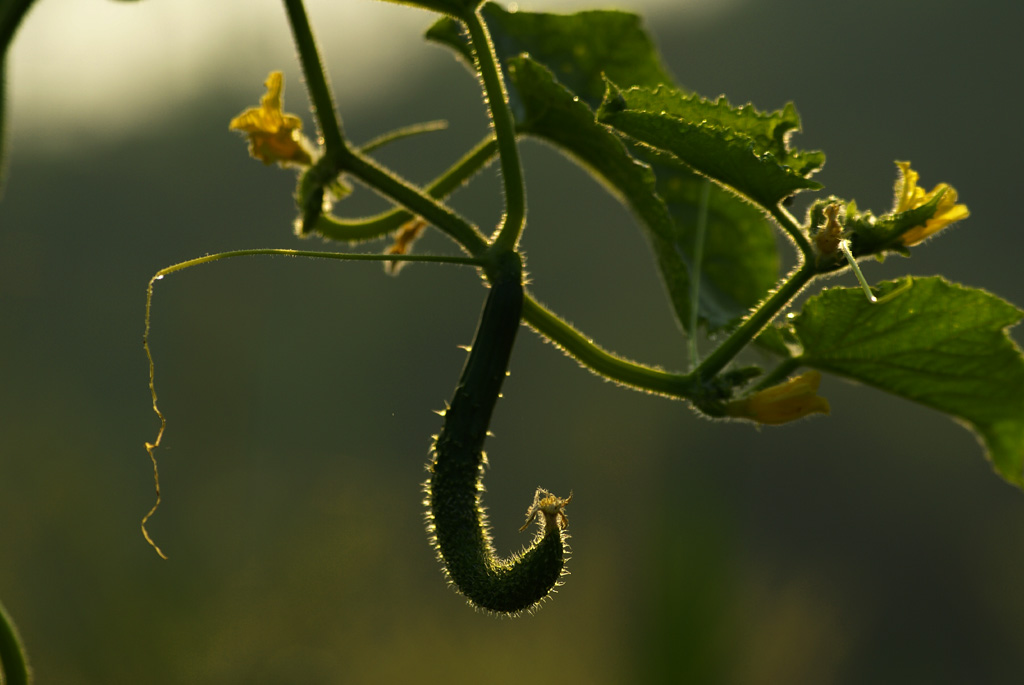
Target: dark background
point(875, 545)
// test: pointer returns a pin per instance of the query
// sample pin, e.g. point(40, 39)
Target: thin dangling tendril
point(151, 447)
point(456, 519)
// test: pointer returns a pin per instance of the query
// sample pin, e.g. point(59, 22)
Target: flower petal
point(273, 135)
point(910, 196)
point(788, 401)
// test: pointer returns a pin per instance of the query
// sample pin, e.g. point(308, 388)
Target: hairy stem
point(343, 158)
point(600, 361)
point(316, 79)
point(793, 230)
point(415, 200)
point(354, 230)
point(404, 132)
point(505, 130)
point(753, 324)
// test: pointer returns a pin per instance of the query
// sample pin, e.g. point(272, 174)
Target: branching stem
point(415, 200)
point(355, 230)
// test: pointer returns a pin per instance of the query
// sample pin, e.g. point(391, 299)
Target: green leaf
point(577, 48)
point(740, 258)
point(937, 343)
point(739, 147)
point(740, 263)
point(550, 91)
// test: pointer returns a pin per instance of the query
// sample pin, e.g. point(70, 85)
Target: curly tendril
point(456, 519)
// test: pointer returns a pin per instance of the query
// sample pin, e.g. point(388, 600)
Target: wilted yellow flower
point(273, 135)
point(910, 196)
point(788, 401)
point(828, 236)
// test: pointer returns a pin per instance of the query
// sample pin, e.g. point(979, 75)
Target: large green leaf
point(740, 261)
point(578, 48)
point(934, 342)
point(739, 147)
point(552, 92)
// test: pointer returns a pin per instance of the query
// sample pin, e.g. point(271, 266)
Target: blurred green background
point(872, 546)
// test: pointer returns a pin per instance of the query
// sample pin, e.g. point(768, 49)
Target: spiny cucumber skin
point(456, 519)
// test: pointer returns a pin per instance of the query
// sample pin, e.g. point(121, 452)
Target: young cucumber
point(456, 519)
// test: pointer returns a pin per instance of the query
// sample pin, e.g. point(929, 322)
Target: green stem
point(793, 230)
point(844, 246)
point(414, 199)
point(777, 375)
point(753, 324)
point(768, 309)
point(13, 662)
point(316, 80)
point(359, 165)
point(404, 132)
point(344, 256)
point(600, 361)
point(347, 230)
point(505, 130)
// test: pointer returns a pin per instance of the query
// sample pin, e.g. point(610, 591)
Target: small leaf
point(937, 343)
point(739, 147)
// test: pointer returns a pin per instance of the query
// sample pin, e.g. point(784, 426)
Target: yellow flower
point(788, 401)
point(273, 135)
point(910, 196)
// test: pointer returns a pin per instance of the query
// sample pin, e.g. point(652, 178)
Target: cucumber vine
point(709, 184)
